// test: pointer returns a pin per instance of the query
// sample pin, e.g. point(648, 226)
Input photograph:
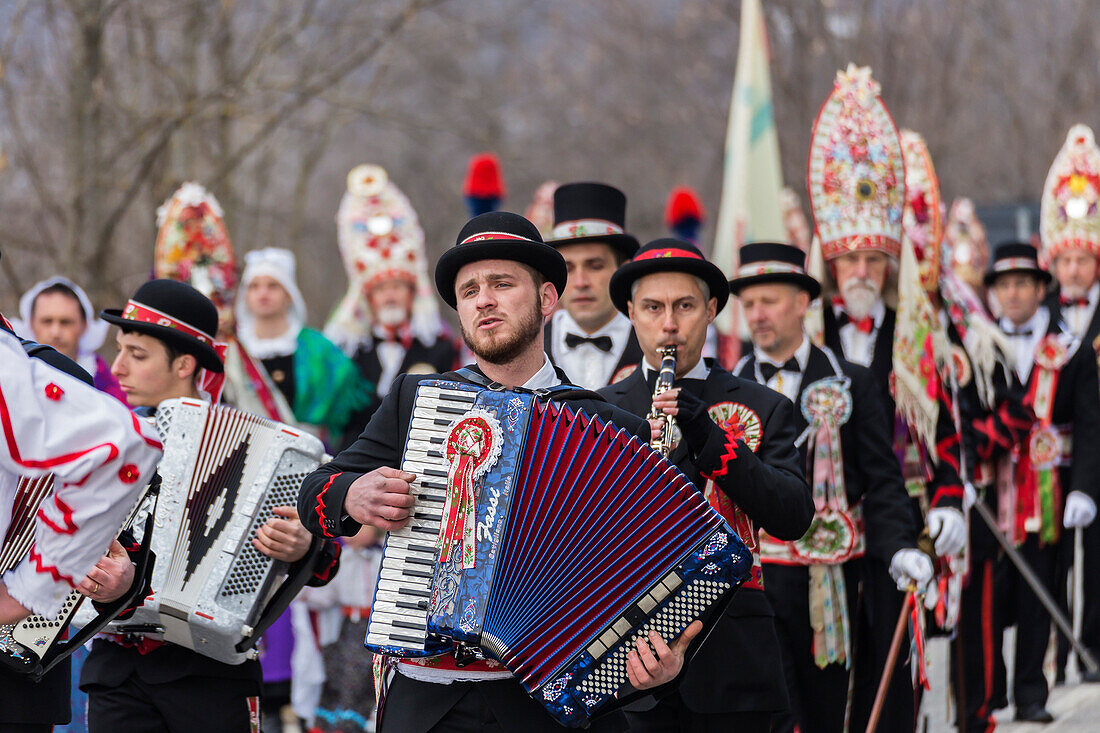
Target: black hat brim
point(206, 355)
point(807, 283)
point(544, 258)
point(991, 276)
point(626, 275)
point(624, 244)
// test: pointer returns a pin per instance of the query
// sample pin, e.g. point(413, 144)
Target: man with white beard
point(857, 188)
point(393, 346)
point(1069, 224)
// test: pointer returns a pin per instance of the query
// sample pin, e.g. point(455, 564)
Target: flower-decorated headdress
point(1069, 214)
point(965, 246)
point(856, 175)
point(922, 220)
point(380, 238)
point(193, 247)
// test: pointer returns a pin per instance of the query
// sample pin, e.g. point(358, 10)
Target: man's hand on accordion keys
point(381, 498)
point(283, 537)
point(111, 577)
point(647, 670)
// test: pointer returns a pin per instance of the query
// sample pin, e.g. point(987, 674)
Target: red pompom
point(683, 203)
point(483, 177)
point(53, 392)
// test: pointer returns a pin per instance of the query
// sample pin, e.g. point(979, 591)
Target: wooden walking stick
point(891, 658)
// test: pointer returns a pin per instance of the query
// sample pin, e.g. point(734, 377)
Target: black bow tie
point(1021, 333)
point(768, 370)
point(573, 340)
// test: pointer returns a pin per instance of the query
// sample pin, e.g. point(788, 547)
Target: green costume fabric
point(328, 387)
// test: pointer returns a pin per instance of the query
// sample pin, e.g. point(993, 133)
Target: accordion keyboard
point(399, 615)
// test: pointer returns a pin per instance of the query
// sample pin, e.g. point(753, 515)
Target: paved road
point(1075, 706)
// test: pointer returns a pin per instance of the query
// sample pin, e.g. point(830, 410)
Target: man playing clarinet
point(736, 444)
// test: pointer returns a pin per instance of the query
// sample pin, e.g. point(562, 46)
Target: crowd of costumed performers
point(904, 447)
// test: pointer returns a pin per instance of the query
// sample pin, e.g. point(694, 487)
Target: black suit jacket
point(872, 475)
point(738, 669)
point(945, 486)
point(1077, 403)
point(632, 352)
point(321, 507)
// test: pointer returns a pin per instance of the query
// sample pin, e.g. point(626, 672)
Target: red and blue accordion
point(549, 541)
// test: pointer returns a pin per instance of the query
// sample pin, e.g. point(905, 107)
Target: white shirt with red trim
point(101, 457)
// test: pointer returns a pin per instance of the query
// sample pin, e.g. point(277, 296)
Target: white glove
point(948, 528)
point(1080, 510)
point(910, 567)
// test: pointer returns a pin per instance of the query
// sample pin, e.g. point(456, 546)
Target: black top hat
point(1015, 257)
point(668, 255)
point(591, 212)
point(772, 262)
point(498, 235)
point(173, 312)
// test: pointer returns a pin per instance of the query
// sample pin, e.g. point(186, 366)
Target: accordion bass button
point(246, 630)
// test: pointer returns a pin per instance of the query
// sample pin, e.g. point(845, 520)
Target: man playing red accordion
point(503, 281)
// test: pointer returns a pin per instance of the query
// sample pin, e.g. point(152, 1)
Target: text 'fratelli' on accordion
point(223, 472)
point(37, 643)
point(551, 541)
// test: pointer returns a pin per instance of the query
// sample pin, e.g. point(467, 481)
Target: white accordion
point(223, 473)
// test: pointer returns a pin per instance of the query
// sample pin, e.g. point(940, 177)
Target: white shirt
point(859, 347)
point(699, 371)
point(586, 365)
point(1078, 317)
point(785, 381)
point(545, 377)
point(390, 356)
point(1023, 347)
point(90, 442)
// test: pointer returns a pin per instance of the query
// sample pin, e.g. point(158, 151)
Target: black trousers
point(671, 715)
point(818, 695)
point(1090, 627)
point(1029, 687)
point(498, 706)
point(977, 663)
point(195, 704)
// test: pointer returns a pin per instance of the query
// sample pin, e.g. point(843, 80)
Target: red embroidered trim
point(657, 254)
point(9, 436)
point(947, 450)
point(148, 441)
point(40, 567)
point(947, 492)
point(320, 508)
point(728, 455)
point(68, 526)
point(135, 311)
point(327, 574)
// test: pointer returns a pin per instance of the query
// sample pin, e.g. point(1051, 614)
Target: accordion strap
point(558, 392)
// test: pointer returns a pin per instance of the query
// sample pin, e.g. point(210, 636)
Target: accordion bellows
point(551, 541)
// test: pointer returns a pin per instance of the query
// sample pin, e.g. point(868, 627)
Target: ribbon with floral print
point(1039, 493)
point(473, 445)
point(833, 534)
